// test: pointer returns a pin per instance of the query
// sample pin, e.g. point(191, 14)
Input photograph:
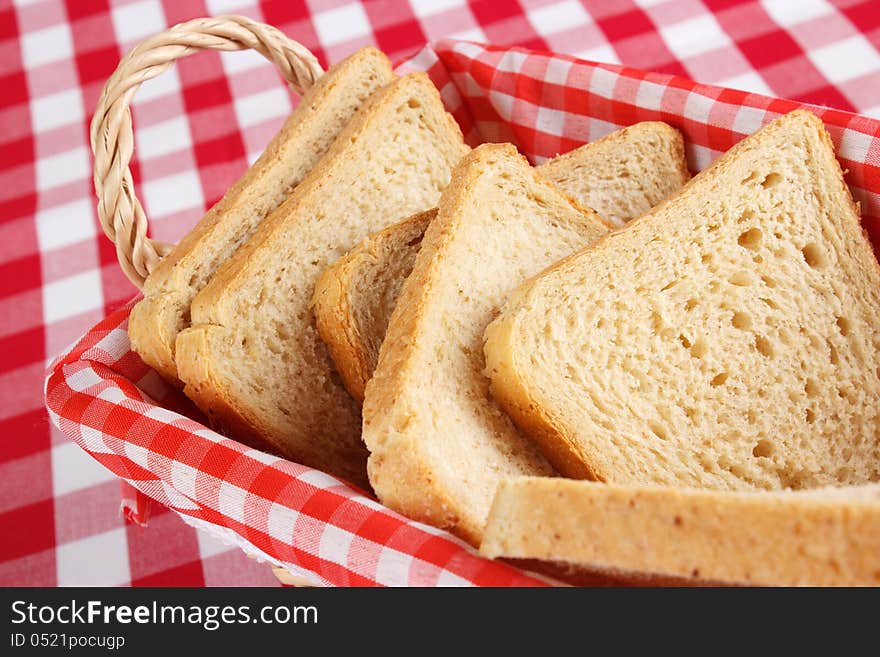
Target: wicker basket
point(119, 211)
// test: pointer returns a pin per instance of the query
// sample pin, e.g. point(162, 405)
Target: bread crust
point(401, 472)
point(157, 319)
point(558, 441)
point(677, 536)
point(336, 307)
point(205, 347)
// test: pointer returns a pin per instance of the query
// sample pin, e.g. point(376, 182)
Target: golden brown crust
point(198, 348)
point(558, 441)
point(336, 311)
point(400, 472)
point(336, 308)
point(164, 311)
point(826, 537)
point(214, 309)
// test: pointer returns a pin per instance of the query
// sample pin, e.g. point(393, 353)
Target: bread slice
point(252, 359)
point(728, 339)
point(305, 136)
point(621, 176)
point(438, 443)
point(823, 537)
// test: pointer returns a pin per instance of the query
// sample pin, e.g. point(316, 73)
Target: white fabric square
point(697, 107)
point(845, 60)
point(260, 107)
point(471, 34)
point(183, 478)
point(558, 17)
point(550, 121)
point(512, 61)
point(873, 112)
point(449, 579)
point(335, 544)
point(55, 170)
point(787, 12)
point(600, 128)
point(66, 224)
point(48, 45)
point(650, 95)
point(211, 546)
point(431, 7)
point(393, 567)
point(341, 24)
point(56, 110)
point(281, 522)
point(602, 82)
point(701, 157)
point(854, 145)
point(133, 22)
point(162, 414)
point(232, 500)
point(93, 439)
point(113, 395)
point(557, 71)
point(72, 296)
point(85, 562)
point(694, 36)
point(166, 84)
point(171, 194)
point(318, 479)
point(137, 453)
point(748, 120)
point(503, 104)
point(749, 81)
point(73, 469)
point(218, 7)
point(604, 53)
point(163, 138)
point(238, 61)
point(84, 378)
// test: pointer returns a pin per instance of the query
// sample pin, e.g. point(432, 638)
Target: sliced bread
point(438, 443)
point(621, 176)
point(650, 534)
point(727, 339)
point(305, 136)
point(252, 359)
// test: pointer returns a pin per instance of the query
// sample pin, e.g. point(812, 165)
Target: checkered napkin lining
point(102, 396)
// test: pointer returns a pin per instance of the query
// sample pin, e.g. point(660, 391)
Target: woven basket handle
point(121, 214)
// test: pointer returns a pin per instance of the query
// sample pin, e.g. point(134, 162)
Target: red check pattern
point(198, 125)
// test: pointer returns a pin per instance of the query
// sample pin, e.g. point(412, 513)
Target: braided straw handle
point(121, 214)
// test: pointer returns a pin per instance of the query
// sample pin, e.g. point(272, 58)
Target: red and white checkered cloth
point(199, 124)
point(101, 394)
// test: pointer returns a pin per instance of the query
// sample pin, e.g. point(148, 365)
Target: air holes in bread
point(814, 255)
point(690, 304)
point(718, 379)
point(750, 239)
point(843, 325)
point(764, 448)
point(764, 346)
point(699, 348)
point(741, 278)
point(658, 430)
point(742, 321)
point(771, 180)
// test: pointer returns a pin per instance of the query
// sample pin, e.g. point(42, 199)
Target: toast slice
point(252, 359)
point(727, 339)
point(438, 443)
point(305, 136)
point(822, 537)
point(621, 176)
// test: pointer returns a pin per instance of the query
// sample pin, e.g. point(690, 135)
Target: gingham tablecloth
point(197, 127)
